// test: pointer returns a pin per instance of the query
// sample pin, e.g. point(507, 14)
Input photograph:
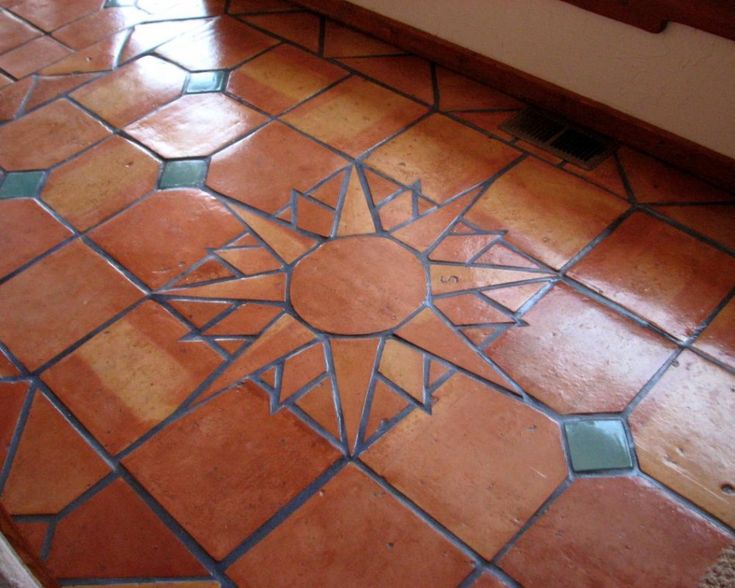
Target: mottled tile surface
point(281, 304)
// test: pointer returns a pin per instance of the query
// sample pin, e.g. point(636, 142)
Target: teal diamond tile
point(598, 445)
point(185, 173)
point(206, 81)
point(21, 184)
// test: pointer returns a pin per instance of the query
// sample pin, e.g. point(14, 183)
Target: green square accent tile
point(21, 184)
point(186, 173)
point(598, 445)
point(206, 81)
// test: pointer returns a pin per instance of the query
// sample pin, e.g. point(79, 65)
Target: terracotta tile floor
point(281, 305)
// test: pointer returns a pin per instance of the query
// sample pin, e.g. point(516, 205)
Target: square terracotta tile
point(133, 90)
point(47, 136)
point(220, 44)
point(421, 154)
point(33, 56)
point(355, 115)
point(58, 300)
point(26, 231)
point(577, 356)
point(51, 15)
point(325, 541)
point(100, 182)
point(683, 434)
point(195, 125)
point(718, 339)
point(282, 78)
point(481, 464)
point(159, 238)
point(715, 221)
point(547, 212)
point(660, 273)
point(101, 381)
point(225, 469)
point(612, 532)
point(262, 169)
point(14, 32)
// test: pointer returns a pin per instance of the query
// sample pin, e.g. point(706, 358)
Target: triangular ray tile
point(250, 261)
point(330, 191)
point(12, 96)
point(478, 335)
point(206, 272)
point(300, 369)
point(199, 312)
point(270, 287)
point(248, 319)
point(404, 366)
point(456, 278)
point(355, 217)
point(461, 248)
point(379, 187)
point(436, 371)
point(385, 405)
point(513, 297)
point(313, 217)
point(318, 403)
point(470, 309)
point(397, 211)
point(501, 255)
point(232, 346)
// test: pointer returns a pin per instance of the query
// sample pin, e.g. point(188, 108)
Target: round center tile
point(358, 285)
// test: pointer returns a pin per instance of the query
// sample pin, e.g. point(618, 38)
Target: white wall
point(681, 80)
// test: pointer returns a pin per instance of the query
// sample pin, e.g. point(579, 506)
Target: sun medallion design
point(356, 301)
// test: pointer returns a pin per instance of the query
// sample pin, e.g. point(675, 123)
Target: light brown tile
point(219, 44)
point(577, 356)
point(421, 154)
point(548, 213)
point(26, 231)
point(195, 125)
point(116, 535)
point(58, 300)
point(683, 434)
point(100, 182)
point(53, 464)
point(713, 221)
point(481, 464)
point(101, 381)
point(33, 56)
point(197, 469)
point(282, 78)
point(160, 237)
point(659, 272)
point(47, 136)
point(611, 532)
point(325, 541)
point(14, 32)
point(406, 73)
point(718, 339)
point(51, 15)
point(262, 169)
point(300, 27)
point(97, 26)
point(133, 90)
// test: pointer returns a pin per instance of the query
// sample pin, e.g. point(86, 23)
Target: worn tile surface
point(281, 304)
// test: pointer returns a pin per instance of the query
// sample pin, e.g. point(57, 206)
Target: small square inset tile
point(283, 77)
point(355, 115)
point(180, 174)
point(195, 125)
point(206, 81)
point(21, 184)
point(658, 272)
point(598, 445)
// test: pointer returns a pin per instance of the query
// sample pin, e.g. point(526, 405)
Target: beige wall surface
point(681, 80)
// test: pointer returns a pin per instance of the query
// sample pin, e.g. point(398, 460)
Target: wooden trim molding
point(31, 562)
point(678, 151)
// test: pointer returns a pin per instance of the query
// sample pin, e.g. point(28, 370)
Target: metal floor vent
point(579, 146)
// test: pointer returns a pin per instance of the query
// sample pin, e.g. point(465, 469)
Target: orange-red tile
point(300, 369)
point(97, 26)
point(654, 181)
point(58, 300)
point(248, 319)
point(133, 90)
point(52, 466)
point(160, 237)
point(262, 169)
point(282, 77)
point(51, 15)
point(300, 27)
point(12, 97)
point(406, 73)
point(340, 41)
point(98, 57)
point(548, 213)
point(683, 434)
point(481, 464)
point(47, 136)
point(577, 356)
point(606, 174)
point(14, 32)
point(354, 115)
point(195, 125)
point(713, 221)
point(660, 273)
point(457, 92)
point(226, 468)
point(325, 541)
point(219, 44)
point(33, 533)
point(404, 366)
point(101, 381)
point(488, 580)
point(150, 35)
point(421, 154)
point(100, 182)
point(12, 399)
point(718, 339)
point(33, 56)
point(26, 231)
point(612, 532)
point(49, 87)
point(115, 535)
point(489, 121)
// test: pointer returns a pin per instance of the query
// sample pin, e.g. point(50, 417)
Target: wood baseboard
point(671, 148)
